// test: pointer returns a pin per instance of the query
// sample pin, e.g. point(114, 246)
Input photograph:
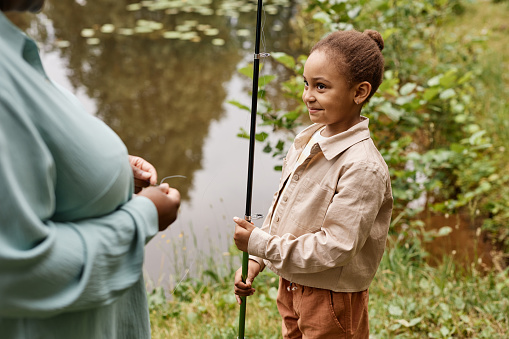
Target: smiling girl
point(326, 230)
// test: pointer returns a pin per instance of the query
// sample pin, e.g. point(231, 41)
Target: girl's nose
point(307, 96)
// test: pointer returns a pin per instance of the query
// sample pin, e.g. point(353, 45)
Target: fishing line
point(264, 46)
point(185, 274)
point(172, 176)
point(189, 268)
point(263, 26)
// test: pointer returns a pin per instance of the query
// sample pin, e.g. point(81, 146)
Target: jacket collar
point(338, 143)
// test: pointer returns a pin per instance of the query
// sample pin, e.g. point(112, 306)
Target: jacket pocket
point(310, 206)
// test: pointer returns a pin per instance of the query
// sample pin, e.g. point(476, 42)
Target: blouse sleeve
point(48, 267)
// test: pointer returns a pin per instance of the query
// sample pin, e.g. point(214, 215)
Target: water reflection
point(158, 91)
point(163, 89)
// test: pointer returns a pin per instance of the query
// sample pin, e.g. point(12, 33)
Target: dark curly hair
point(358, 56)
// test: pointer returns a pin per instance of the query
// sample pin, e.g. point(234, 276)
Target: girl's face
point(327, 95)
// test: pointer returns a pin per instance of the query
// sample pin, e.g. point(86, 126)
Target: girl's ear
point(362, 91)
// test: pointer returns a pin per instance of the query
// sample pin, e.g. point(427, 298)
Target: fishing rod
point(252, 134)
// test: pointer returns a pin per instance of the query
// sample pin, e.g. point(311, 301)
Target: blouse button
point(277, 219)
point(285, 198)
point(296, 177)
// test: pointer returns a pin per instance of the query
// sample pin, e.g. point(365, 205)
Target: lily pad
point(161, 5)
point(205, 11)
point(277, 27)
point(87, 32)
point(270, 9)
point(133, 7)
point(142, 29)
point(153, 25)
point(188, 35)
point(183, 28)
point(202, 27)
point(218, 42)
point(107, 28)
point(243, 32)
point(172, 35)
point(93, 41)
point(126, 31)
point(247, 8)
point(211, 31)
point(63, 44)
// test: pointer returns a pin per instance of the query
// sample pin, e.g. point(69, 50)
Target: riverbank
point(408, 299)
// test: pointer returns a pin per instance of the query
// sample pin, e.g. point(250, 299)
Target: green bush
point(425, 115)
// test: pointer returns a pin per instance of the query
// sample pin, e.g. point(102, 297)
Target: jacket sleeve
point(350, 216)
point(266, 228)
point(268, 219)
point(48, 267)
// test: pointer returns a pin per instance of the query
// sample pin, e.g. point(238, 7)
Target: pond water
point(160, 73)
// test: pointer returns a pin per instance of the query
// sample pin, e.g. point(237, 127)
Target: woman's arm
point(48, 267)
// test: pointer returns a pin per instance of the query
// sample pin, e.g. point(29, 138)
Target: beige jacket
point(332, 222)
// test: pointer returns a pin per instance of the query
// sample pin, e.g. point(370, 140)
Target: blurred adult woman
point(72, 233)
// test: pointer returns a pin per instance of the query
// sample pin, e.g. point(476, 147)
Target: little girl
point(326, 230)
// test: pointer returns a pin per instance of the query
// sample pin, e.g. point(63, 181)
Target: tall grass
point(485, 19)
point(411, 299)
point(408, 299)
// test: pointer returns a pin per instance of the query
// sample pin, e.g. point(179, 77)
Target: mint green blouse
point(72, 234)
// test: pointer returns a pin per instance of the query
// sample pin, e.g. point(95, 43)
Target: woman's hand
point(144, 173)
point(243, 231)
point(245, 289)
point(167, 202)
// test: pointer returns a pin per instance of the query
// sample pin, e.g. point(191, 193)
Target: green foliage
point(424, 117)
point(277, 119)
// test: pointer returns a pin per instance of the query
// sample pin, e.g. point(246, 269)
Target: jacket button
point(296, 177)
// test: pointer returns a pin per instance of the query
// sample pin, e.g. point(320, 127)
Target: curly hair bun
point(375, 36)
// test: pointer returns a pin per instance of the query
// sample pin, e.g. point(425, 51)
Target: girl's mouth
point(313, 110)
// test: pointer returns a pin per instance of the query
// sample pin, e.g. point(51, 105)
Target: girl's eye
point(320, 86)
point(306, 83)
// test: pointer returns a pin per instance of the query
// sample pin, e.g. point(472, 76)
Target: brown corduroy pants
point(314, 313)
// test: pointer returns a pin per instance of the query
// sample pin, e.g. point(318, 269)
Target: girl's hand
point(243, 231)
point(245, 289)
point(144, 173)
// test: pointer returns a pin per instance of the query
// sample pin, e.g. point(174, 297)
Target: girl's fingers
point(244, 292)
